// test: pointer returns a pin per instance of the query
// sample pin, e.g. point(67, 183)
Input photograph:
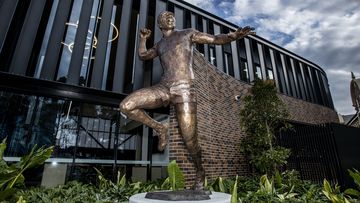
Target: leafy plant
point(12, 176)
point(234, 194)
point(261, 116)
point(73, 192)
point(116, 192)
point(333, 194)
point(176, 176)
point(356, 177)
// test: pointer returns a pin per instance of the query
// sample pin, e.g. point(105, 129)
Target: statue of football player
point(175, 51)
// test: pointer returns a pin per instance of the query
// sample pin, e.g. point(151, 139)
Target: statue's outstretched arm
point(204, 38)
point(145, 54)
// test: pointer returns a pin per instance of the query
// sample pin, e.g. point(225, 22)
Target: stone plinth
point(215, 197)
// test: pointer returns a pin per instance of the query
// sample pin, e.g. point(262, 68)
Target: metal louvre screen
point(322, 151)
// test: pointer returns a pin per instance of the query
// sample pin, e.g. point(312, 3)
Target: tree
point(262, 115)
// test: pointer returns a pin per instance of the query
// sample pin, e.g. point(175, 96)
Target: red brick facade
point(219, 129)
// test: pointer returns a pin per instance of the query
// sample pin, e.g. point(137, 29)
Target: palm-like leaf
point(2, 148)
point(11, 176)
point(356, 176)
point(176, 176)
point(234, 195)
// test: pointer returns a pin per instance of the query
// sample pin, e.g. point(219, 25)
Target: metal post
point(116, 142)
point(77, 138)
point(149, 154)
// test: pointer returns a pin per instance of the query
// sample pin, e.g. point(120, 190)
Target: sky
point(324, 32)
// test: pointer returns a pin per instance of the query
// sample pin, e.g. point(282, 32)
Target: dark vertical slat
point(157, 69)
point(100, 56)
point(262, 59)
point(179, 16)
point(297, 87)
point(329, 155)
point(219, 51)
point(35, 57)
point(302, 147)
point(235, 57)
point(274, 67)
point(333, 156)
point(327, 91)
point(27, 36)
point(300, 80)
point(205, 30)
point(339, 168)
point(304, 81)
point(312, 85)
point(54, 45)
point(121, 52)
point(249, 59)
point(320, 150)
point(298, 136)
point(79, 43)
point(285, 74)
point(7, 11)
point(313, 152)
point(139, 64)
point(193, 21)
point(321, 87)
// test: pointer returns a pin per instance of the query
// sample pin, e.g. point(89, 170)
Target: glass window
point(199, 27)
point(94, 130)
point(212, 55)
point(244, 69)
point(255, 51)
point(268, 65)
point(187, 16)
point(256, 58)
point(269, 74)
point(228, 62)
point(258, 72)
point(267, 57)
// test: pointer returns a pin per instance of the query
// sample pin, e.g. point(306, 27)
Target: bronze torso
point(176, 56)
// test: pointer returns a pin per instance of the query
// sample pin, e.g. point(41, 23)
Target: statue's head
point(166, 20)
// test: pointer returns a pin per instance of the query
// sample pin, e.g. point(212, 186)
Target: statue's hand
point(242, 32)
point(145, 33)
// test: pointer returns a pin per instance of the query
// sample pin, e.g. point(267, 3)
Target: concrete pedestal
point(215, 197)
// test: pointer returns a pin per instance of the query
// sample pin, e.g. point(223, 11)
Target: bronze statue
point(175, 51)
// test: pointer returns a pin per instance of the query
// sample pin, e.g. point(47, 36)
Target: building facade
point(65, 65)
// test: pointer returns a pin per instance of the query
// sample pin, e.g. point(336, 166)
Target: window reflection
point(212, 55)
point(244, 74)
point(244, 70)
point(258, 72)
point(91, 131)
point(269, 74)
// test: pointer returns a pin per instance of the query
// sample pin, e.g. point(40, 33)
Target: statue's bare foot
point(199, 180)
point(162, 133)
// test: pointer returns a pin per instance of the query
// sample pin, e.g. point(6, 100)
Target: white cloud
point(325, 32)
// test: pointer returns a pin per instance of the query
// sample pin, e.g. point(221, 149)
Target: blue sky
point(325, 32)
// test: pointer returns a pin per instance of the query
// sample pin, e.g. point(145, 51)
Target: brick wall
point(219, 130)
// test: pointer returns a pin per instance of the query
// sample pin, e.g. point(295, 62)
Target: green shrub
point(262, 115)
point(355, 174)
point(11, 177)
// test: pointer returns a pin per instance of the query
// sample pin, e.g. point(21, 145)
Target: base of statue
point(180, 197)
